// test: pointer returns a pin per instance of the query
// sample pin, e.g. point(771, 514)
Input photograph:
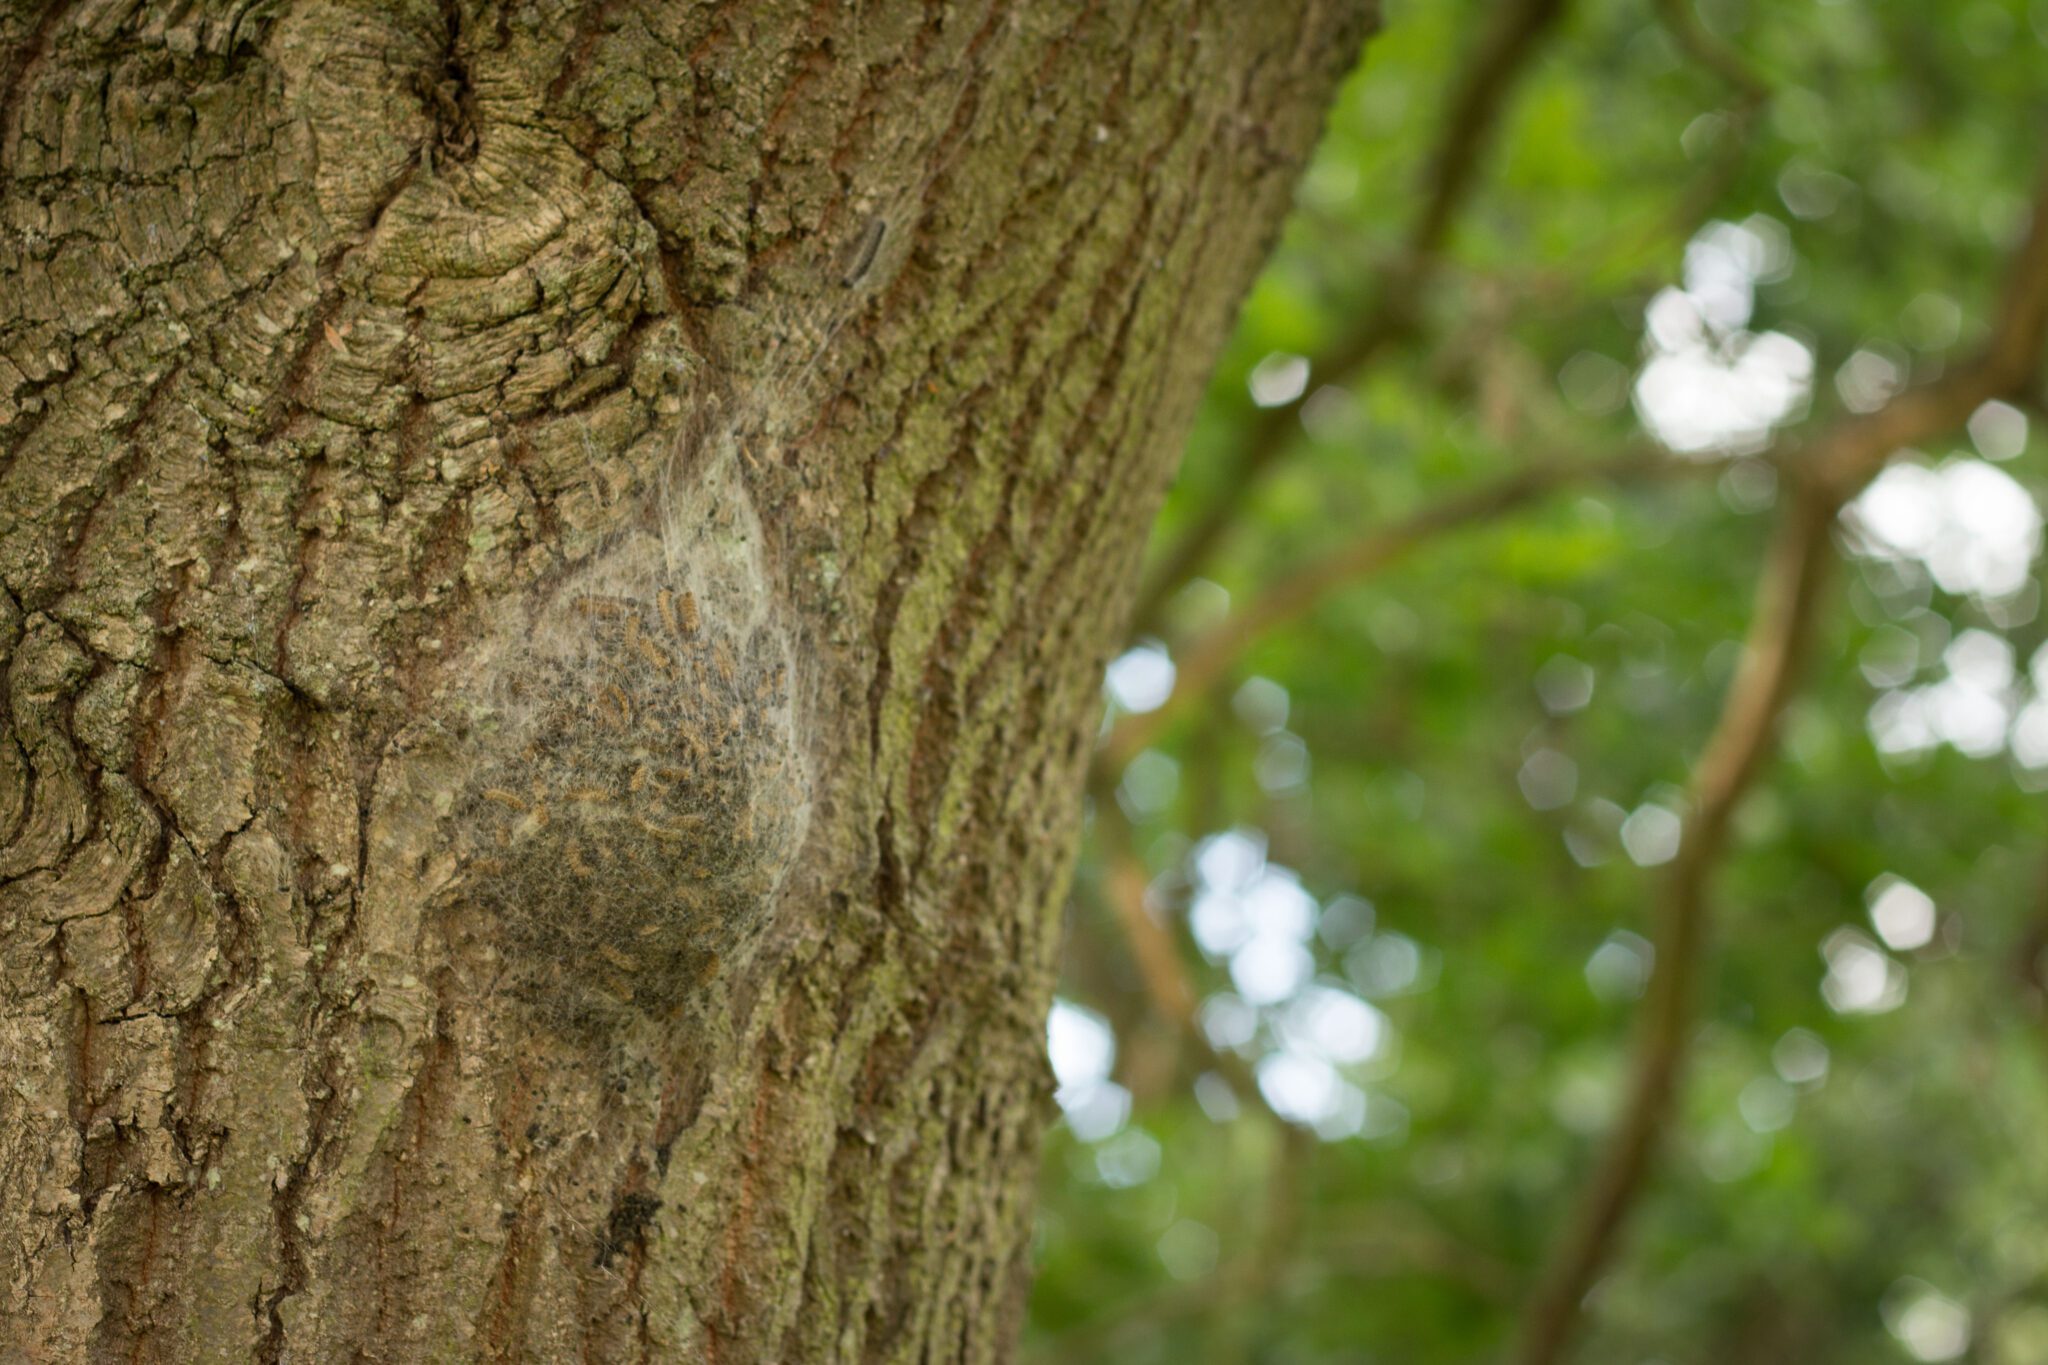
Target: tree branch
point(1407, 1240)
point(1785, 599)
point(2030, 953)
point(1833, 469)
point(1211, 656)
point(1482, 92)
point(1678, 17)
point(1152, 947)
point(1752, 94)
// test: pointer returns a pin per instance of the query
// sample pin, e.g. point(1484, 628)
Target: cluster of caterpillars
point(646, 805)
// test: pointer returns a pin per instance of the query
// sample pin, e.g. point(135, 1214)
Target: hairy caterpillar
point(646, 788)
point(643, 784)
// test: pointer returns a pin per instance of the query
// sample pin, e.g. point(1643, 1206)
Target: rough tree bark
point(556, 560)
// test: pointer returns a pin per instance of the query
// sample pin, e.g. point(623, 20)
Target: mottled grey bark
point(556, 560)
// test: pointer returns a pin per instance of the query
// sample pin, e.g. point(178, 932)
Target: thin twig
point(1152, 947)
point(1482, 92)
point(1405, 1240)
point(1833, 469)
point(1709, 51)
point(2030, 953)
point(1204, 662)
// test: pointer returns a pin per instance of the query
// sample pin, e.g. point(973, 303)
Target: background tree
point(1565, 867)
point(556, 561)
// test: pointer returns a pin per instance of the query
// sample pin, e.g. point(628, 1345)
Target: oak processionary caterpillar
point(645, 786)
point(645, 789)
point(870, 247)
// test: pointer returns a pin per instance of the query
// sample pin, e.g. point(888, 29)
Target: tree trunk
point(556, 563)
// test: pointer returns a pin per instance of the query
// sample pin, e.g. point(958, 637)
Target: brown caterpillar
point(642, 785)
point(646, 795)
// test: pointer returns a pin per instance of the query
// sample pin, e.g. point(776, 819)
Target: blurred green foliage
point(1467, 760)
